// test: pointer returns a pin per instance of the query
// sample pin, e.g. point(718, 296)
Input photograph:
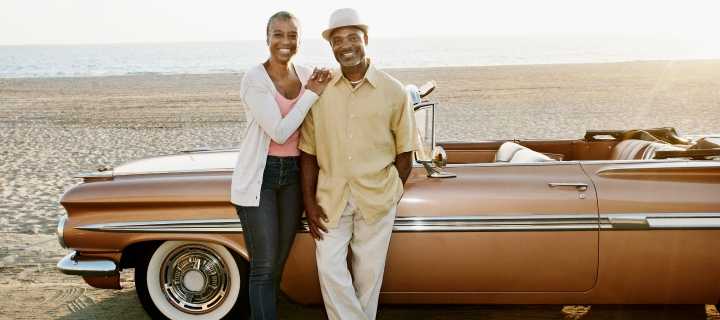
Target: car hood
point(215, 160)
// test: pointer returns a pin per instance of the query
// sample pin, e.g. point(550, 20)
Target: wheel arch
point(133, 252)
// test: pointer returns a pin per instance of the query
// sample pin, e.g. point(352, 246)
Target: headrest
point(506, 151)
point(527, 155)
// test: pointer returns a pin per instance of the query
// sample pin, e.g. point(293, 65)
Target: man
point(357, 143)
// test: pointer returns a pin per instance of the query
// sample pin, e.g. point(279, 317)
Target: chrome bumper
point(61, 231)
point(91, 268)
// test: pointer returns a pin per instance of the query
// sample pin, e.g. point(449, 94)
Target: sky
point(25, 22)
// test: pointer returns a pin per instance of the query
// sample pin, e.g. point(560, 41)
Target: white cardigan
point(264, 123)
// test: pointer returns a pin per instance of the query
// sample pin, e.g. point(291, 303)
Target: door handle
point(578, 185)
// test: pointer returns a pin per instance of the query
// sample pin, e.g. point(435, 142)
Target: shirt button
point(344, 199)
point(350, 136)
point(349, 157)
point(352, 115)
point(378, 113)
point(352, 96)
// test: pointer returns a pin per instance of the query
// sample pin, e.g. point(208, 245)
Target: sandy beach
point(53, 128)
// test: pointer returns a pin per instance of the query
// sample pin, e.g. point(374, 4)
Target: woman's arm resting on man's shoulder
point(263, 107)
point(260, 101)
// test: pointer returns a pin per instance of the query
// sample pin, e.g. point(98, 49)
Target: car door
point(500, 227)
point(660, 229)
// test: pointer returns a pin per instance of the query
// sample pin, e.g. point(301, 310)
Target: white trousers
point(353, 297)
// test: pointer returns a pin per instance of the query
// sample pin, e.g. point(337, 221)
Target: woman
point(276, 96)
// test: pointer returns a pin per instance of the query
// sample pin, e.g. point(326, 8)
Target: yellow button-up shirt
point(355, 133)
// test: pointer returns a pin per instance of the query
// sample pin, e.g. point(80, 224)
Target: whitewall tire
point(193, 280)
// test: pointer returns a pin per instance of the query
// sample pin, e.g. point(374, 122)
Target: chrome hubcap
point(194, 278)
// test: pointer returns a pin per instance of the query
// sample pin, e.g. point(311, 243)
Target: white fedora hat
point(344, 18)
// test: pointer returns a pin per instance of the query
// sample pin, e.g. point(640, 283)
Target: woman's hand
point(318, 80)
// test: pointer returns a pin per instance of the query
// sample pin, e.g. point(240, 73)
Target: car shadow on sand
point(500, 312)
point(651, 312)
point(122, 305)
point(126, 305)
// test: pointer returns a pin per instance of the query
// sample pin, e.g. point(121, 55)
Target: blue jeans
point(269, 231)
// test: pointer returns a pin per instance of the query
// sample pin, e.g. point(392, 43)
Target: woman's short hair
point(283, 15)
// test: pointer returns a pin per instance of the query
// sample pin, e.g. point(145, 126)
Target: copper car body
point(588, 229)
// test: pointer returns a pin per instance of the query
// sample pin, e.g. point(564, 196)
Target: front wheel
point(190, 279)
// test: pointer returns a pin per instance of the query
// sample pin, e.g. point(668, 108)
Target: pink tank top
point(290, 148)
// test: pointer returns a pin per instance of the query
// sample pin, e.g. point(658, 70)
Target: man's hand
point(403, 164)
point(314, 213)
point(309, 170)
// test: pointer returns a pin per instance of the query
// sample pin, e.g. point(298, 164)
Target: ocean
point(97, 60)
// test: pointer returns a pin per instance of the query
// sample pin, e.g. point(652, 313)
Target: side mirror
point(436, 157)
point(439, 158)
point(431, 156)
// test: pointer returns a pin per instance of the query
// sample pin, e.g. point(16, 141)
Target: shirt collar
point(371, 75)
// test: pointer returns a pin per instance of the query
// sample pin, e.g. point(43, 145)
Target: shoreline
point(389, 70)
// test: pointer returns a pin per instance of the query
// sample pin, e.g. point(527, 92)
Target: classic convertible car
point(616, 217)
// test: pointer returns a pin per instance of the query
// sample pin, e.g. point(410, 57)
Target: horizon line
point(378, 37)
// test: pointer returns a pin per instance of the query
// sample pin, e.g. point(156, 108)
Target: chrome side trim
point(696, 164)
point(506, 164)
point(94, 176)
point(169, 226)
point(207, 149)
point(173, 172)
point(628, 221)
point(579, 222)
point(61, 231)
point(661, 221)
point(633, 162)
point(585, 222)
point(91, 268)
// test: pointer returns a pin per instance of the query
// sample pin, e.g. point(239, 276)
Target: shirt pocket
point(375, 116)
